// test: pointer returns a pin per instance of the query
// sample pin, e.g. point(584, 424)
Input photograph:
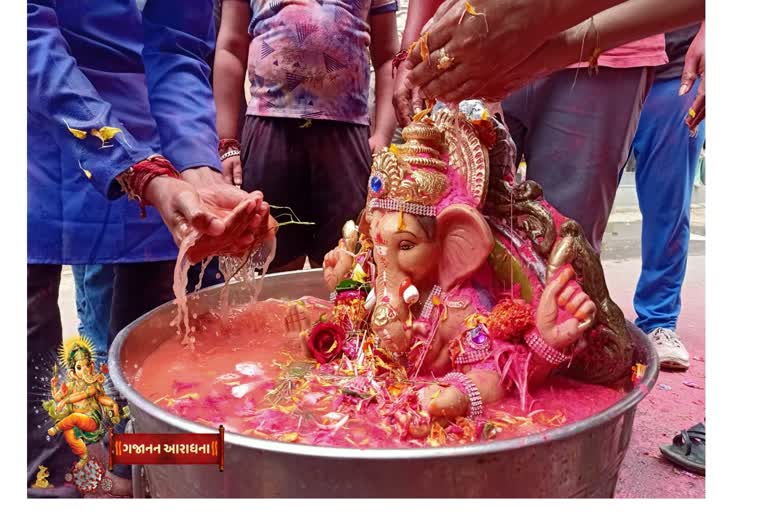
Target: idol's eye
point(405, 245)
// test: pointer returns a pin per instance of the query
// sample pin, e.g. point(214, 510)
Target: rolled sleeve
point(178, 40)
point(63, 96)
point(383, 6)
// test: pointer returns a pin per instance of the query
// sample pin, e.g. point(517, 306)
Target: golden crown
point(411, 177)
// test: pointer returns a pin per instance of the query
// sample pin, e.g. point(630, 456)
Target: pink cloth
point(648, 52)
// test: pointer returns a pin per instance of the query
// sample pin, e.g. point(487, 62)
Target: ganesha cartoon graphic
point(78, 405)
point(475, 282)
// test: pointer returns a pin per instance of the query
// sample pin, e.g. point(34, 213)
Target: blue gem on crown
point(376, 184)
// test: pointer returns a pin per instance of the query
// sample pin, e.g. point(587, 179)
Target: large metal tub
point(577, 460)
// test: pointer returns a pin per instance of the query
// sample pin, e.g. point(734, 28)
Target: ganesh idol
point(473, 282)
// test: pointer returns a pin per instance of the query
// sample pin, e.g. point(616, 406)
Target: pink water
point(249, 375)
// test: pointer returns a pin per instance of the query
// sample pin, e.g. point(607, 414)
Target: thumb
point(226, 171)
point(195, 215)
point(237, 173)
point(690, 73)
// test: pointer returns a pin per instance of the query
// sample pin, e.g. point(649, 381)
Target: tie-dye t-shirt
point(309, 59)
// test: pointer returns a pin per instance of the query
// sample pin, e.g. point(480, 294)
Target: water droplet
point(39, 426)
point(37, 367)
point(47, 438)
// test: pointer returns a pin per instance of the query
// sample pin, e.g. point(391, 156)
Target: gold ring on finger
point(444, 61)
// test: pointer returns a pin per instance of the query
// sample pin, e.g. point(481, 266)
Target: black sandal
point(687, 449)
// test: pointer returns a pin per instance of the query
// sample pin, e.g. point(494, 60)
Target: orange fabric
point(81, 421)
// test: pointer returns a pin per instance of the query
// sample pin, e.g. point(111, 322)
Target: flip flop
point(687, 449)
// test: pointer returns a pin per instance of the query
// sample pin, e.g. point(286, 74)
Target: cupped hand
point(564, 293)
point(693, 69)
point(497, 38)
point(228, 220)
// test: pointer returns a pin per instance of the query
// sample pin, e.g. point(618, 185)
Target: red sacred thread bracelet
point(227, 145)
point(135, 180)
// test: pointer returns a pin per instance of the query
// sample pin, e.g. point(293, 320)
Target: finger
point(586, 311)
point(402, 104)
point(575, 303)
point(565, 296)
point(556, 284)
point(446, 82)
point(228, 197)
point(237, 173)
point(195, 216)
point(468, 90)
point(690, 73)
point(226, 171)
point(238, 221)
point(694, 123)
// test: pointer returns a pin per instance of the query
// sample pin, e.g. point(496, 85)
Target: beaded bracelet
point(135, 180)
point(542, 349)
point(228, 154)
point(469, 388)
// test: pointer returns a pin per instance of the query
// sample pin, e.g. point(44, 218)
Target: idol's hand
point(337, 264)
point(468, 47)
point(55, 381)
point(451, 402)
point(564, 293)
point(60, 406)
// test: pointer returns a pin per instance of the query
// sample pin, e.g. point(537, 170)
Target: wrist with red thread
point(397, 60)
point(135, 180)
point(228, 148)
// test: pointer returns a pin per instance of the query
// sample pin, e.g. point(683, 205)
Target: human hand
point(227, 219)
point(232, 171)
point(406, 98)
point(502, 33)
point(693, 69)
point(564, 293)
point(377, 142)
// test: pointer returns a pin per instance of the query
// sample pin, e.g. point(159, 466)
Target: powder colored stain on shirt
point(309, 59)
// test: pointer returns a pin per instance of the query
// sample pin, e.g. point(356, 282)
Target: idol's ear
point(466, 241)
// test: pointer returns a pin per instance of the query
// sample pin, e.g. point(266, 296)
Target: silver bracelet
point(230, 153)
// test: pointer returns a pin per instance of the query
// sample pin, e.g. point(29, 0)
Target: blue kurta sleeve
point(60, 93)
point(178, 40)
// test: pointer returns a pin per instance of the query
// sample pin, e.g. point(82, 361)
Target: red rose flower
point(326, 341)
point(510, 319)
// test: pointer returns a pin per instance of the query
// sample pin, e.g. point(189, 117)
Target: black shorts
point(320, 171)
